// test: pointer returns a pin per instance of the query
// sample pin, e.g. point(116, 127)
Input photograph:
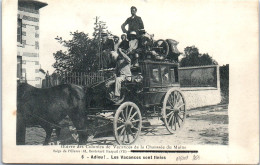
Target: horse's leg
point(58, 132)
point(20, 129)
point(79, 122)
point(48, 131)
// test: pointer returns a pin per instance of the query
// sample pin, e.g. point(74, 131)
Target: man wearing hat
point(116, 42)
point(107, 44)
point(134, 23)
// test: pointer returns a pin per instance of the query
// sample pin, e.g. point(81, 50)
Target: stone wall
point(201, 97)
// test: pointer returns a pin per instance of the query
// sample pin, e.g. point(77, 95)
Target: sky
point(214, 27)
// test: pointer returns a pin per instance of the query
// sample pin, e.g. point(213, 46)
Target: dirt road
point(208, 125)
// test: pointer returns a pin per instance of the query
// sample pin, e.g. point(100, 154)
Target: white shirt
point(133, 44)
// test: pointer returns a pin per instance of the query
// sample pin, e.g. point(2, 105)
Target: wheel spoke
point(172, 100)
point(132, 134)
point(120, 121)
point(134, 121)
point(170, 103)
point(169, 114)
point(178, 121)
point(130, 113)
point(120, 127)
point(133, 116)
point(168, 123)
point(127, 134)
point(170, 109)
point(135, 128)
point(180, 117)
point(122, 112)
point(173, 121)
point(175, 98)
point(122, 131)
point(180, 106)
point(126, 112)
point(178, 97)
point(124, 136)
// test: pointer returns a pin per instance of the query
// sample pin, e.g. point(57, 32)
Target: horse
point(47, 107)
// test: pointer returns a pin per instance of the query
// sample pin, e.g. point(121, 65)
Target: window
point(165, 75)
point(36, 70)
point(19, 30)
point(36, 62)
point(155, 75)
point(174, 74)
point(24, 62)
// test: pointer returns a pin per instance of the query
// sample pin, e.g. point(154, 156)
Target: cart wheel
point(161, 47)
point(174, 110)
point(127, 123)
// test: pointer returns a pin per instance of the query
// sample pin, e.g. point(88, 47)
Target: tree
point(83, 52)
point(192, 57)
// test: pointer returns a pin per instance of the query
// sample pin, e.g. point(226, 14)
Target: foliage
point(192, 57)
point(82, 53)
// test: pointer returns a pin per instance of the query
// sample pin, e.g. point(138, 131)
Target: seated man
point(132, 51)
point(123, 71)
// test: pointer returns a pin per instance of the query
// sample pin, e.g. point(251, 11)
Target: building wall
point(29, 46)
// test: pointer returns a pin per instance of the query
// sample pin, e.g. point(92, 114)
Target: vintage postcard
point(136, 82)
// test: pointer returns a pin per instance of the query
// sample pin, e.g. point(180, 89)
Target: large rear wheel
point(127, 123)
point(174, 110)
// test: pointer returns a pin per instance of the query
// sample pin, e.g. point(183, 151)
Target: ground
point(207, 125)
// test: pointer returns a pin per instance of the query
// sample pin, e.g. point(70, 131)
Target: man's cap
point(142, 31)
point(133, 33)
point(104, 34)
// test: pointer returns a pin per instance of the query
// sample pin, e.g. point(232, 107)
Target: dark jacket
point(124, 44)
point(134, 24)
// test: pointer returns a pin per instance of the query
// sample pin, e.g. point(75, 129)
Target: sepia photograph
point(138, 81)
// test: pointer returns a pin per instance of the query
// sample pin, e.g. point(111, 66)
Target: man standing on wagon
point(123, 71)
point(134, 23)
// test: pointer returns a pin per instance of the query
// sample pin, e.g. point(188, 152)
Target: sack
point(173, 50)
point(173, 46)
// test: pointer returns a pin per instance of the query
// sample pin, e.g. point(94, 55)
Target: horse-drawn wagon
point(154, 90)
